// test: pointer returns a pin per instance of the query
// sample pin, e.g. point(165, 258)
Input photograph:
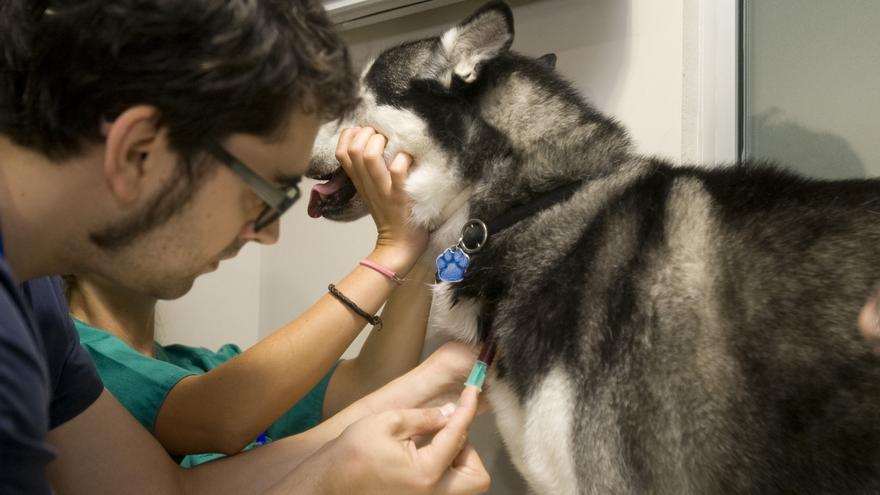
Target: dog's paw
point(451, 265)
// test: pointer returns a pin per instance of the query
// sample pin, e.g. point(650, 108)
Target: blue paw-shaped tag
point(452, 264)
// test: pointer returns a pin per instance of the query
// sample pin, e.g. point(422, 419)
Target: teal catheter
point(481, 367)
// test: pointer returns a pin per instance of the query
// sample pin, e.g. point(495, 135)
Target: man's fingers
point(449, 441)
point(468, 459)
point(408, 423)
point(466, 476)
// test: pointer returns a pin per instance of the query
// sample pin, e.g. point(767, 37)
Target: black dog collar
point(475, 234)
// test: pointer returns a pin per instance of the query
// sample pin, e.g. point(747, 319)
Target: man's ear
point(130, 139)
point(482, 36)
point(548, 60)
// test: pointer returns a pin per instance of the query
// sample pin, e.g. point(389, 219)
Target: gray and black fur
point(673, 329)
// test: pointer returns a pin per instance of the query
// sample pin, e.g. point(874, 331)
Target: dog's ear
point(548, 60)
point(482, 36)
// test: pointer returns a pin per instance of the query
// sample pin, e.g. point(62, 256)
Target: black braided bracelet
point(371, 319)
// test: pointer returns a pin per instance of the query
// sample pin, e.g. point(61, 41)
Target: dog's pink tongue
point(326, 189)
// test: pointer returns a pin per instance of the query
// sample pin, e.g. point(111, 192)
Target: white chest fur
point(538, 434)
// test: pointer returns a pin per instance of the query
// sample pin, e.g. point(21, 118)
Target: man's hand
point(378, 454)
point(382, 444)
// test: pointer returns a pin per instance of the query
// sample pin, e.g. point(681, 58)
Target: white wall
point(626, 56)
point(813, 87)
point(223, 307)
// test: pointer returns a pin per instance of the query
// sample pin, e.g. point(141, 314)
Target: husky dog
point(663, 329)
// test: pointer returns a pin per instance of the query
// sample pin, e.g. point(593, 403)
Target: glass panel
point(812, 85)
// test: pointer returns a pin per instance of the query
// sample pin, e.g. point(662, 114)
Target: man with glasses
point(277, 200)
point(201, 403)
point(106, 112)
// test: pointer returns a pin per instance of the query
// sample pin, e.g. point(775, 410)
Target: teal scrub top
point(141, 383)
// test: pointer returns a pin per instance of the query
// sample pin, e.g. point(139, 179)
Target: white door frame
point(710, 82)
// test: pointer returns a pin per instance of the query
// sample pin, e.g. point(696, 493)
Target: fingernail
point(447, 410)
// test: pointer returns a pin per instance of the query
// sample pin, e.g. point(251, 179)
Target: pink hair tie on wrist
point(382, 269)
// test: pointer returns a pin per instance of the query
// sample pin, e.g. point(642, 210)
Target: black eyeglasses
point(277, 200)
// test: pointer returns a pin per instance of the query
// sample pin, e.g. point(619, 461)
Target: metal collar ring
point(474, 235)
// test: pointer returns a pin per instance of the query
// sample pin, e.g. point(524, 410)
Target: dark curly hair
point(212, 68)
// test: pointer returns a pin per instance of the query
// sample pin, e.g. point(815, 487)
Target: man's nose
point(267, 235)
